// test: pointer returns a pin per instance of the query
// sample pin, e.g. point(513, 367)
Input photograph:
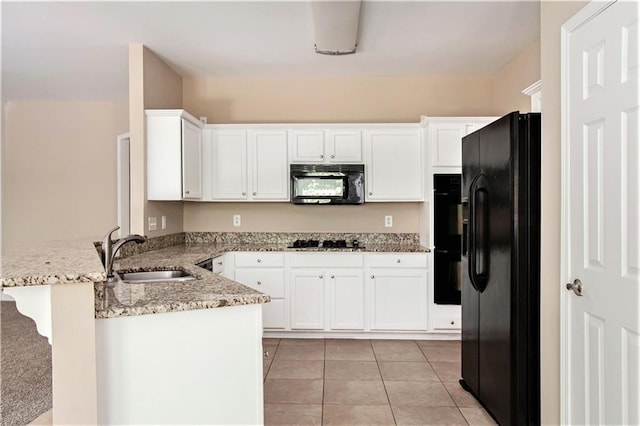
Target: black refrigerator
point(501, 268)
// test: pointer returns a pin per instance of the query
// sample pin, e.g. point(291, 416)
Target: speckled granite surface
point(288, 237)
point(51, 263)
point(78, 261)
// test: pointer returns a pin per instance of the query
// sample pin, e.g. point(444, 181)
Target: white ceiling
point(78, 50)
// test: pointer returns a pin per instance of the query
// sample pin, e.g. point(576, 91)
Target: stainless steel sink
point(155, 276)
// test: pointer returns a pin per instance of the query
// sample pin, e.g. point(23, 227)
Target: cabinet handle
point(398, 261)
point(371, 193)
point(321, 156)
point(333, 156)
point(266, 354)
point(259, 282)
point(453, 322)
point(244, 193)
point(186, 192)
point(332, 276)
point(259, 260)
point(255, 193)
point(373, 276)
point(320, 277)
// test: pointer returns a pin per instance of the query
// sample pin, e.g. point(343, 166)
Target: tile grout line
point(324, 378)
point(442, 383)
point(383, 384)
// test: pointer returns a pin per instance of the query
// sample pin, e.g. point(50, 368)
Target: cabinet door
point(307, 146)
point(394, 165)
point(446, 143)
point(229, 165)
point(307, 303)
point(268, 165)
point(191, 161)
point(274, 314)
point(398, 299)
point(344, 146)
point(346, 304)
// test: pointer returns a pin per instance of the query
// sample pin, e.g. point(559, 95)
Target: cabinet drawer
point(400, 260)
point(269, 281)
point(450, 322)
point(259, 260)
point(323, 260)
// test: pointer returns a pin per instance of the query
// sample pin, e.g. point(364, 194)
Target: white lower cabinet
point(265, 272)
point(346, 300)
point(341, 292)
point(307, 299)
point(398, 294)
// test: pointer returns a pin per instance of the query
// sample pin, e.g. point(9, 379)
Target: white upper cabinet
point(228, 164)
point(248, 165)
point(191, 160)
point(394, 164)
point(444, 135)
point(316, 146)
point(174, 155)
point(268, 165)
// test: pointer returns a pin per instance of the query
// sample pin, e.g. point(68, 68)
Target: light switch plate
point(236, 220)
point(388, 221)
point(153, 223)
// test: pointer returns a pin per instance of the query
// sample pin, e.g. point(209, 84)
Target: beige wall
point(552, 15)
point(518, 74)
point(59, 170)
point(337, 99)
point(285, 217)
point(152, 85)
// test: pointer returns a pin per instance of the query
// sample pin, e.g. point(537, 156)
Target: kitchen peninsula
point(162, 352)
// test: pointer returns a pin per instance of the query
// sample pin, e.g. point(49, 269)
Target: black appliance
point(447, 195)
point(501, 268)
point(327, 183)
point(327, 244)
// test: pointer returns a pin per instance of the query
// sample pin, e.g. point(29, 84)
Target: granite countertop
point(208, 291)
point(51, 263)
point(79, 262)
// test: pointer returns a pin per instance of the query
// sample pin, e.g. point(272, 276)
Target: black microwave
point(327, 183)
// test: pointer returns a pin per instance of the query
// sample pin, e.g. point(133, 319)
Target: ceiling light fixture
point(335, 25)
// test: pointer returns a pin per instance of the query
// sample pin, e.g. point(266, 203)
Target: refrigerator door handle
point(479, 234)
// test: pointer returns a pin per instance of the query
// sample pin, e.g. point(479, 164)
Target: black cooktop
point(326, 244)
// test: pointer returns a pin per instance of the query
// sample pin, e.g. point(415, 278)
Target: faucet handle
point(108, 234)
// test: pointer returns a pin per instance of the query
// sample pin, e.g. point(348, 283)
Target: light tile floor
point(366, 382)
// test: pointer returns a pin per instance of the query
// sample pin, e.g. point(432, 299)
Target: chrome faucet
point(110, 249)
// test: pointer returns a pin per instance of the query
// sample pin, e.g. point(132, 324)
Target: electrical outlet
point(153, 223)
point(236, 220)
point(388, 221)
point(164, 222)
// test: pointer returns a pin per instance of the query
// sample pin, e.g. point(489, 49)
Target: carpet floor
point(25, 368)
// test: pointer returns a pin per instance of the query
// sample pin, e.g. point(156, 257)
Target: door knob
point(576, 286)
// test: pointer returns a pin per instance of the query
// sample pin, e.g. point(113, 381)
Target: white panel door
point(307, 299)
point(446, 143)
point(307, 146)
point(346, 302)
point(398, 299)
point(394, 165)
point(601, 359)
point(344, 146)
point(229, 165)
point(191, 161)
point(268, 165)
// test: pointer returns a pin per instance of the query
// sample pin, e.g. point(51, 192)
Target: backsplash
point(289, 237)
